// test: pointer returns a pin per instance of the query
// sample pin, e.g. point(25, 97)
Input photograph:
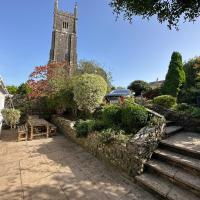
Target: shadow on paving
point(56, 168)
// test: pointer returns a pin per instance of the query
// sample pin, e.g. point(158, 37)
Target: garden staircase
point(173, 173)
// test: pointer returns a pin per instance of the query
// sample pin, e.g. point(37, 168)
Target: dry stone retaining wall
point(129, 157)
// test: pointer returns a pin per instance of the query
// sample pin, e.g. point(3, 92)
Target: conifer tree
point(175, 77)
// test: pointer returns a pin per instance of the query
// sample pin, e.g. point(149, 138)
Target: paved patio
point(57, 169)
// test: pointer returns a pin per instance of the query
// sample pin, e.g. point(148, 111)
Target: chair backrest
point(33, 117)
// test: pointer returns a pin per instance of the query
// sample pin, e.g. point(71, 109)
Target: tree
point(166, 11)
point(138, 87)
point(12, 89)
point(63, 100)
point(48, 87)
point(89, 92)
point(48, 80)
point(175, 77)
point(92, 67)
point(191, 89)
point(192, 71)
point(24, 89)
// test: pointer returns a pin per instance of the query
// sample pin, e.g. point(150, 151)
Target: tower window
point(65, 25)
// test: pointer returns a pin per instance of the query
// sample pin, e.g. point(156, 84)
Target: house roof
point(3, 89)
point(156, 83)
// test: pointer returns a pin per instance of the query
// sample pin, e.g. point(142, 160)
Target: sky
point(137, 51)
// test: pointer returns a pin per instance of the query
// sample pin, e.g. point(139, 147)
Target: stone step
point(171, 130)
point(188, 163)
point(186, 143)
point(169, 123)
point(180, 176)
point(163, 188)
point(175, 147)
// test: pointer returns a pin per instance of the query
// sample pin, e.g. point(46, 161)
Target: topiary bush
point(111, 115)
point(89, 91)
point(175, 77)
point(166, 101)
point(133, 117)
point(11, 116)
point(84, 127)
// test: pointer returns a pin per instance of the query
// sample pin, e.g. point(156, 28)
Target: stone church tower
point(64, 39)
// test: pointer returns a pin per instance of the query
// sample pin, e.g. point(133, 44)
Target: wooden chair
point(52, 130)
point(33, 117)
point(22, 132)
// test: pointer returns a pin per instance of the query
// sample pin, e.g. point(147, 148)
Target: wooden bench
point(22, 132)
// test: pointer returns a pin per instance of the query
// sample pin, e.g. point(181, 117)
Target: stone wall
point(129, 157)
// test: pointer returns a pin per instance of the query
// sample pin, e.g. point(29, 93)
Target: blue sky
point(140, 50)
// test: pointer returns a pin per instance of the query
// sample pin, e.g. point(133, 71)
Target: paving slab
point(10, 186)
point(58, 169)
point(11, 193)
point(9, 168)
point(43, 189)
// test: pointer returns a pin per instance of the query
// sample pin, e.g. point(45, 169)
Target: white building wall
point(2, 101)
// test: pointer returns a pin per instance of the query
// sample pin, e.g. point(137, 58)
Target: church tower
point(64, 39)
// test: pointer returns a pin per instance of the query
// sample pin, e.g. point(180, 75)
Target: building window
point(65, 25)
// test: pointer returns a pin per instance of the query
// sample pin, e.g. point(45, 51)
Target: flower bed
point(128, 155)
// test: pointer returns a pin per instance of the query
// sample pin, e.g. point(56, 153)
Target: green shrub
point(84, 127)
point(110, 135)
point(195, 112)
point(107, 136)
point(189, 110)
point(11, 116)
point(182, 107)
point(99, 125)
point(192, 71)
point(89, 91)
point(151, 94)
point(111, 115)
point(133, 117)
point(129, 100)
point(166, 101)
point(92, 67)
point(189, 95)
